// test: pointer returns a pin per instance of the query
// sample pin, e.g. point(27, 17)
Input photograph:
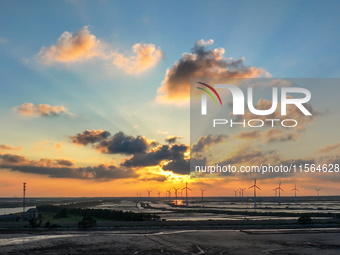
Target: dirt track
point(260, 241)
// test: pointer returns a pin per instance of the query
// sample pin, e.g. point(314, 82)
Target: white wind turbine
point(255, 187)
point(202, 190)
point(279, 189)
point(295, 189)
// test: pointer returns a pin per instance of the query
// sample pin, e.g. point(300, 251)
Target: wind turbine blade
point(251, 187)
point(258, 187)
point(191, 190)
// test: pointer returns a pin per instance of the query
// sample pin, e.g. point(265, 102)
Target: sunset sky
point(95, 95)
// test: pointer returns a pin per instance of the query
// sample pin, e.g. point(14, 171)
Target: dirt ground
point(252, 241)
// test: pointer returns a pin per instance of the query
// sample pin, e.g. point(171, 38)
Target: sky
point(94, 94)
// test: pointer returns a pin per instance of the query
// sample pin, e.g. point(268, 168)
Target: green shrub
point(87, 221)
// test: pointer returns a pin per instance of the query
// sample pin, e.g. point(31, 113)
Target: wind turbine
point(317, 190)
point(186, 193)
point(279, 188)
point(295, 192)
point(275, 194)
point(255, 187)
point(159, 193)
point(241, 190)
point(235, 191)
point(202, 190)
point(169, 191)
point(149, 191)
point(176, 194)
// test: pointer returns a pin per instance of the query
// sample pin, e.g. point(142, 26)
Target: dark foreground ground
point(169, 241)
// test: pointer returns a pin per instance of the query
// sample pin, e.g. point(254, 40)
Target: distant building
point(30, 214)
point(8, 217)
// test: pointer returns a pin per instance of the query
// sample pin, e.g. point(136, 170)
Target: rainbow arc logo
point(212, 89)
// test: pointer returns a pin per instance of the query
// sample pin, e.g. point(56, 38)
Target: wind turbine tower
point(149, 191)
point(295, 189)
point(235, 192)
point(175, 194)
point(317, 192)
point(241, 190)
point(279, 189)
point(275, 194)
point(255, 187)
point(202, 190)
point(186, 193)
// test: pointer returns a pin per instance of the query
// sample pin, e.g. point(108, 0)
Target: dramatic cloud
point(156, 156)
point(63, 168)
point(71, 47)
point(180, 166)
point(330, 148)
point(124, 144)
point(40, 110)
point(147, 56)
point(172, 139)
point(9, 147)
point(91, 137)
point(116, 144)
point(202, 63)
point(204, 142)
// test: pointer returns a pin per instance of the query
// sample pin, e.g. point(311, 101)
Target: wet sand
point(169, 241)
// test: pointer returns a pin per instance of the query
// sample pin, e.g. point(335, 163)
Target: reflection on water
point(13, 210)
point(217, 209)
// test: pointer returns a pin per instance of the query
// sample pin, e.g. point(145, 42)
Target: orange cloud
point(202, 63)
point(71, 47)
point(330, 148)
point(147, 56)
point(29, 109)
point(9, 147)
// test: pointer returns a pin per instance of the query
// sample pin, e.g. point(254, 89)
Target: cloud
point(272, 83)
point(292, 113)
point(63, 168)
point(255, 134)
point(276, 135)
point(124, 144)
point(40, 110)
point(58, 146)
point(330, 148)
point(204, 142)
point(82, 45)
point(71, 47)
point(250, 156)
point(146, 57)
point(9, 147)
point(180, 166)
point(156, 156)
point(91, 137)
point(116, 144)
point(202, 63)
point(172, 139)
